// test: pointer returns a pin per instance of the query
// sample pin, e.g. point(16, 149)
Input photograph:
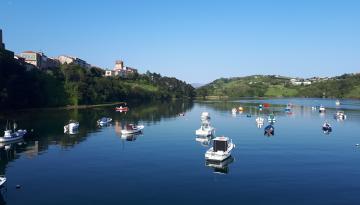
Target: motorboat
point(2, 180)
point(220, 150)
point(241, 109)
point(122, 108)
point(260, 106)
point(132, 129)
point(288, 107)
point(233, 111)
point(12, 135)
point(337, 102)
point(71, 127)
point(205, 116)
point(104, 121)
point(340, 115)
point(322, 109)
point(326, 127)
point(269, 130)
point(220, 167)
point(206, 129)
point(271, 118)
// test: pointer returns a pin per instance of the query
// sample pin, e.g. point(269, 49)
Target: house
point(39, 60)
point(120, 70)
point(64, 59)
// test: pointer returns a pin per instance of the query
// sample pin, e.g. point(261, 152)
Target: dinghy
point(220, 150)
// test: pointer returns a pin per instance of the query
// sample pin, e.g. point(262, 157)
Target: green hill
point(345, 86)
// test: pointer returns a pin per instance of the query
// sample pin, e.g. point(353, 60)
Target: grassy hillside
point(345, 86)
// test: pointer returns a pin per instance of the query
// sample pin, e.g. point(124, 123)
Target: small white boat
point(313, 108)
point(132, 129)
point(206, 129)
point(322, 109)
point(220, 150)
point(72, 127)
point(2, 180)
point(205, 116)
point(340, 115)
point(337, 103)
point(104, 121)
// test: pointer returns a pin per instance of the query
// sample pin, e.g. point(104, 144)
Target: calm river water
point(166, 164)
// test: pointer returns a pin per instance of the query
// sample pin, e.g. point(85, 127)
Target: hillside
point(75, 85)
point(345, 86)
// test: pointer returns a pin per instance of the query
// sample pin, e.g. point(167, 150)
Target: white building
point(120, 70)
point(64, 59)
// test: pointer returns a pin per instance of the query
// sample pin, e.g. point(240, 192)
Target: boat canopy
point(220, 144)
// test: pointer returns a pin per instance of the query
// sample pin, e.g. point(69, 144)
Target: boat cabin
point(220, 144)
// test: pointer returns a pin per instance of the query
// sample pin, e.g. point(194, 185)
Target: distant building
point(296, 81)
point(120, 70)
point(39, 60)
point(64, 59)
point(2, 45)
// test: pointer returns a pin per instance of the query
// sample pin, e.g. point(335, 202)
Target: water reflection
point(220, 167)
point(204, 140)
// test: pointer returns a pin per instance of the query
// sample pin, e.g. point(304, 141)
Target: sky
point(196, 41)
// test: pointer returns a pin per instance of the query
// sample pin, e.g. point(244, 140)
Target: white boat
point(220, 150)
point(2, 180)
point(72, 127)
point(340, 115)
point(206, 129)
point(322, 108)
point(205, 116)
point(337, 103)
point(313, 108)
point(132, 129)
point(104, 121)
point(233, 111)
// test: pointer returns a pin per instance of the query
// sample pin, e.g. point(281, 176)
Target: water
point(166, 165)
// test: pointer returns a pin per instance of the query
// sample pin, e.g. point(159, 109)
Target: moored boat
point(71, 127)
point(12, 135)
point(327, 127)
point(122, 109)
point(205, 116)
point(220, 150)
point(337, 102)
point(271, 118)
point(322, 109)
point(340, 115)
point(288, 107)
point(132, 129)
point(2, 180)
point(205, 129)
point(104, 121)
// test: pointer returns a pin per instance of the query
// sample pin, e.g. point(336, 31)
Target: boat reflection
point(220, 167)
point(204, 140)
point(131, 137)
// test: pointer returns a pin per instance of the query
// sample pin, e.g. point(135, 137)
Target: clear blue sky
point(196, 41)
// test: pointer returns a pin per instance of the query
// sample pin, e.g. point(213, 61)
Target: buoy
point(18, 186)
